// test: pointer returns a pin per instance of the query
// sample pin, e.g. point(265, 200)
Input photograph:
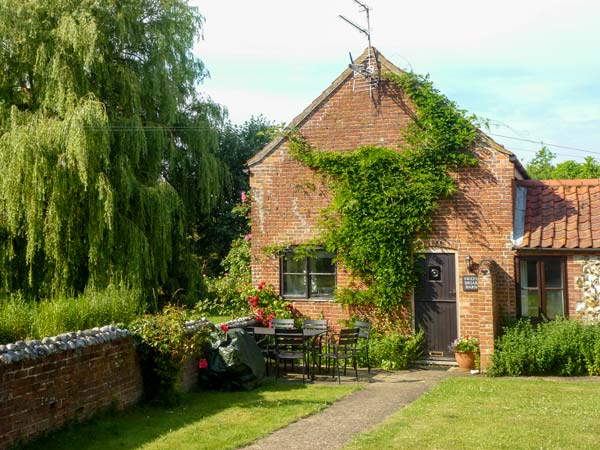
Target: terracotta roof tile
point(562, 214)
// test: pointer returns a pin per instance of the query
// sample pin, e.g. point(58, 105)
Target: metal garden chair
point(290, 346)
point(364, 331)
point(344, 348)
point(318, 343)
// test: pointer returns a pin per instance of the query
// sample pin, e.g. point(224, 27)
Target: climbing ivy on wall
point(384, 200)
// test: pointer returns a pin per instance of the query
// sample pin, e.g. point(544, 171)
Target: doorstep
point(437, 361)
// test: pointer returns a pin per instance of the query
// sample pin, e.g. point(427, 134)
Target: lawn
point(205, 420)
point(488, 413)
point(219, 319)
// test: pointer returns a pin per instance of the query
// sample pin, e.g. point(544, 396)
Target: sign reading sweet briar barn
point(470, 283)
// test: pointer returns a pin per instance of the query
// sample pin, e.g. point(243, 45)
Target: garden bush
point(559, 347)
point(164, 342)
point(393, 351)
point(228, 293)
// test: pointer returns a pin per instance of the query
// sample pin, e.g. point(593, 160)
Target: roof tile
point(562, 214)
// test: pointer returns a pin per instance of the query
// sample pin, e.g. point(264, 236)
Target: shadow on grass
point(143, 424)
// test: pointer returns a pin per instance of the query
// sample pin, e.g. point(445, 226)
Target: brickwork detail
point(477, 221)
point(39, 395)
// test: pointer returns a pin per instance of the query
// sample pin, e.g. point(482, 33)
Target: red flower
point(248, 237)
point(270, 320)
point(289, 307)
point(261, 285)
point(202, 364)
point(224, 328)
point(253, 301)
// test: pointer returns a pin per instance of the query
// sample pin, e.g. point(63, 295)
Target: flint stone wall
point(588, 309)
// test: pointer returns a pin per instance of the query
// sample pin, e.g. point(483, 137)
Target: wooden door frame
point(456, 276)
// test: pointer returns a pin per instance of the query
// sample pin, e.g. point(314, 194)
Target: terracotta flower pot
point(465, 360)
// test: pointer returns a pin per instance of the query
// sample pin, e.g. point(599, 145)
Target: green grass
point(468, 413)
point(219, 319)
point(29, 319)
point(205, 420)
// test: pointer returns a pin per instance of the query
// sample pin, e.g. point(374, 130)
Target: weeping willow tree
point(106, 154)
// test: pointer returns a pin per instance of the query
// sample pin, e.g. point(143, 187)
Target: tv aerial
point(367, 68)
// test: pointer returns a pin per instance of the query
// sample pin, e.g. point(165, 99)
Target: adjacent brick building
point(469, 282)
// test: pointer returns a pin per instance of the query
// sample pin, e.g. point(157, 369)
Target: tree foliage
point(542, 167)
point(106, 154)
point(384, 200)
point(217, 231)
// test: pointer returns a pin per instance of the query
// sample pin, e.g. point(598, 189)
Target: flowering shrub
point(163, 343)
point(266, 304)
point(464, 344)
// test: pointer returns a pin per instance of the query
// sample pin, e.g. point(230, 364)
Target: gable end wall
point(288, 197)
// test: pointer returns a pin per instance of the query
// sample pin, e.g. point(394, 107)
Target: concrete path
point(332, 428)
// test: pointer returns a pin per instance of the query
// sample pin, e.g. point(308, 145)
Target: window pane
point(321, 262)
point(294, 284)
point(553, 274)
point(528, 274)
point(529, 303)
point(434, 273)
point(291, 265)
point(555, 305)
point(322, 285)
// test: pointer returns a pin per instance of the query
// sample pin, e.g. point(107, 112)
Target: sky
point(531, 67)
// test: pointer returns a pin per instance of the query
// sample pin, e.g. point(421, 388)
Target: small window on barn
point(542, 287)
point(312, 276)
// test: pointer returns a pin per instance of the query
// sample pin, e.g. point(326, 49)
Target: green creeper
point(384, 200)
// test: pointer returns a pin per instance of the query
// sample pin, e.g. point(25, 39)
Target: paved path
point(332, 428)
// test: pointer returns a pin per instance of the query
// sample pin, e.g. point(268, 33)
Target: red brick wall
point(39, 395)
point(575, 270)
point(287, 199)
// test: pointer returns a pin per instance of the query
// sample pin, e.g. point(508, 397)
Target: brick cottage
point(502, 247)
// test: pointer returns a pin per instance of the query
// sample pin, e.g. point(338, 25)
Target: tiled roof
point(561, 214)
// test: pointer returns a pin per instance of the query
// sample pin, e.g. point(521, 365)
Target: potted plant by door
point(465, 351)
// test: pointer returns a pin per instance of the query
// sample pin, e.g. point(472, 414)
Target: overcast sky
point(532, 67)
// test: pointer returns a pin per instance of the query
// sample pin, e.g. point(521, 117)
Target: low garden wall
point(70, 377)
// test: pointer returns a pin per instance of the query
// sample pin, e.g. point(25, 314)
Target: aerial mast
point(366, 69)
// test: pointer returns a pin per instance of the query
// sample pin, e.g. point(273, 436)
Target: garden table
point(266, 331)
point(308, 334)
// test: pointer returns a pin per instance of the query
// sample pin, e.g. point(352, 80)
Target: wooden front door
point(435, 302)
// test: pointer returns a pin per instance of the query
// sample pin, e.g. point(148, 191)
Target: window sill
point(311, 299)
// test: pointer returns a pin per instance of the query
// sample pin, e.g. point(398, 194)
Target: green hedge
point(560, 347)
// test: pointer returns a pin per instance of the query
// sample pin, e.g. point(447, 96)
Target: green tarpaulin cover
point(235, 362)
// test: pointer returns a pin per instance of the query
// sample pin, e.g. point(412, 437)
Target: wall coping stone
point(35, 348)
point(27, 350)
